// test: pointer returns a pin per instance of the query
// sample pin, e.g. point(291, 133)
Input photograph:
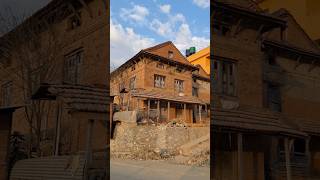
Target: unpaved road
point(155, 170)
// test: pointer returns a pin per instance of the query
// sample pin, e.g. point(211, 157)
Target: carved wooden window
point(74, 21)
point(132, 84)
point(170, 54)
point(178, 85)
point(159, 81)
point(35, 80)
point(160, 65)
point(224, 77)
point(72, 66)
point(221, 29)
point(274, 97)
point(195, 91)
point(6, 94)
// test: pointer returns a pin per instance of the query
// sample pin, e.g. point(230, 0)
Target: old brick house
point(159, 82)
point(54, 56)
point(265, 105)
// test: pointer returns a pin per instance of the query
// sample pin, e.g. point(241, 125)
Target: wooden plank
point(200, 112)
point(148, 109)
point(158, 109)
point(308, 155)
point(185, 112)
point(287, 156)
point(168, 110)
point(240, 156)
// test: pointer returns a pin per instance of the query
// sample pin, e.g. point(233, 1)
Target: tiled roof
point(78, 97)
point(180, 58)
point(246, 120)
point(158, 94)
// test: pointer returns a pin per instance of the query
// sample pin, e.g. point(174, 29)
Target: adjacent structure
point(264, 100)
point(201, 58)
point(48, 66)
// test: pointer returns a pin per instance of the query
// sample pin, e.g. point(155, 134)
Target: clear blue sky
point(138, 24)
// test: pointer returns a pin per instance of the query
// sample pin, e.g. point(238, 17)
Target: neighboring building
point(306, 12)
point(202, 58)
point(49, 66)
point(201, 89)
point(264, 101)
point(158, 81)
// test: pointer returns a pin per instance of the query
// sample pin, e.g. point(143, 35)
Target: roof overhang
point(291, 51)
point(9, 109)
point(155, 57)
point(268, 21)
point(43, 93)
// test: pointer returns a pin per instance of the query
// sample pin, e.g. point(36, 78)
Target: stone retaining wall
point(152, 142)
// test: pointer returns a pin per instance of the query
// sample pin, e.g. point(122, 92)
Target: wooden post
point(185, 112)
point(308, 155)
point(137, 108)
point(168, 110)
point(58, 126)
point(206, 109)
point(287, 156)
point(200, 108)
point(158, 109)
point(148, 109)
point(88, 152)
point(240, 155)
point(111, 117)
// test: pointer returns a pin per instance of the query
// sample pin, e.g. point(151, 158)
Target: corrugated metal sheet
point(49, 168)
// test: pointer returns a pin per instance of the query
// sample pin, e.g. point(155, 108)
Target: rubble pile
point(199, 155)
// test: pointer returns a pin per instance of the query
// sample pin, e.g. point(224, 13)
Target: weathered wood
point(137, 107)
point(58, 126)
point(148, 109)
point(185, 112)
point(240, 155)
point(168, 110)
point(312, 66)
point(308, 155)
point(259, 33)
point(158, 109)
point(235, 28)
point(298, 63)
point(287, 156)
point(88, 9)
point(200, 112)
point(88, 157)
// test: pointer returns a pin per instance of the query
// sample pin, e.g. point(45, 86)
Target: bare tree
point(28, 53)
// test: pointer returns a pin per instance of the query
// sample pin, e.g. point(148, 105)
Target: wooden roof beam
point(312, 66)
point(259, 33)
point(88, 9)
point(298, 62)
point(235, 29)
point(73, 9)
